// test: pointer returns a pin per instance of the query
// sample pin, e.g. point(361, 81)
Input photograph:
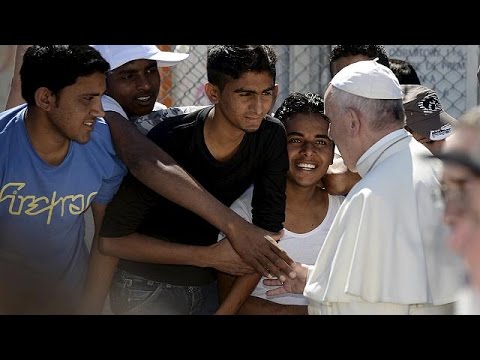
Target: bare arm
point(240, 291)
point(15, 95)
point(259, 306)
point(339, 180)
point(157, 170)
point(100, 270)
point(142, 248)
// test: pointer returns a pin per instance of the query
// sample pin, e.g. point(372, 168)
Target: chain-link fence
point(448, 69)
point(299, 68)
point(444, 68)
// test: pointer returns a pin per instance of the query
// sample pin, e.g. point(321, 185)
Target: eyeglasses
point(454, 194)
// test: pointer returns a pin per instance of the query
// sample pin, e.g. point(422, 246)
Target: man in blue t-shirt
point(57, 160)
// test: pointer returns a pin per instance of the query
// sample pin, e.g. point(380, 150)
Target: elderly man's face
point(460, 194)
point(460, 183)
point(465, 240)
point(461, 190)
point(338, 130)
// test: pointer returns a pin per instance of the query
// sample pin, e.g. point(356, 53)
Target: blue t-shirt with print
point(42, 207)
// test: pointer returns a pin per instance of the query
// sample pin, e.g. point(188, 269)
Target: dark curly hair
point(404, 71)
point(298, 103)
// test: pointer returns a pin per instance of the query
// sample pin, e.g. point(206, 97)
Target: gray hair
point(381, 113)
point(470, 120)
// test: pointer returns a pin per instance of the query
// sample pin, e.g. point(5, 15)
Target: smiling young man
point(57, 160)
point(133, 82)
point(169, 254)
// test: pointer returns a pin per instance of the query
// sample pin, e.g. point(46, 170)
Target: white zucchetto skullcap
point(368, 79)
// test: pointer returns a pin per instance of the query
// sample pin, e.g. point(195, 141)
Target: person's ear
point(44, 98)
point(275, 93)
point(353, 118)
point(213, 93)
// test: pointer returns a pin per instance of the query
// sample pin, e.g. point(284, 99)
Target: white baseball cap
point(117, 55)
point(368, 79)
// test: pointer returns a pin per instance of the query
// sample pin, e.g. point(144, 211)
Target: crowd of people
point(365, 201)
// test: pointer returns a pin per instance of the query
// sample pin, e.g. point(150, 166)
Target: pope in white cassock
point(386, 251)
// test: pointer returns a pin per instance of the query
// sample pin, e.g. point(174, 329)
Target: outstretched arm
point(157, 170)
point(15, 95)
point(258, 306)
point(143, 248)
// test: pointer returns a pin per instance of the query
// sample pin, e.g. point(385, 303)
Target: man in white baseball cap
point(384, 253)
point(117, 55)
point(133, 82)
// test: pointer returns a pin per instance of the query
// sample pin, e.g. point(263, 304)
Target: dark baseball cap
point(425, 114)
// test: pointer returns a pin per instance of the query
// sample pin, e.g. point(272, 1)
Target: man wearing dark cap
point(384, 253)
point(461, 191)
point(426, 120)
